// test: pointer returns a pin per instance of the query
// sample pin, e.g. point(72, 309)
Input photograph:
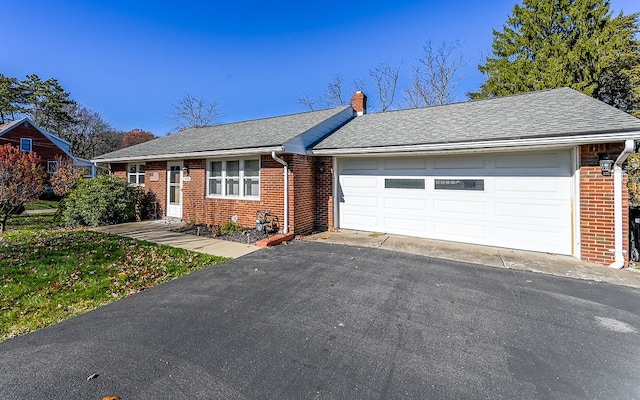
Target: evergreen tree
point(547, 44)
point(47, 103)
point(11, 99)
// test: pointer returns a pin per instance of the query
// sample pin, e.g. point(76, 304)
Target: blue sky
point(130, 60)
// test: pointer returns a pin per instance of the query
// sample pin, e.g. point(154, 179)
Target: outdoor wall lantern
point(185, 169)
point(605, 163)
point(321, 167)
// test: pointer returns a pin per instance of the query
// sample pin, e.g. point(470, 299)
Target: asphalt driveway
point(320, 321)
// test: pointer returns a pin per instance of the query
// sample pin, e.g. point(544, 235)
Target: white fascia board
point(13, 125)
point(470, 147)
point(192, 155)
point(57, 140)
point(82, 162)
point(300, 144)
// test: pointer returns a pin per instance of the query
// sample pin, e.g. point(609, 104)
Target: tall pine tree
point(547, 44)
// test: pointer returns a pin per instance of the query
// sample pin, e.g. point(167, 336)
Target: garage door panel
point(358, 165)
point(459, 207)
point(541, 211)
point(556, 164)
point(358, 182)
point(411, 164)
point(362, 201)
point(391, 204)
point(533, 238)
point(404, 226)
point(459, 230)
point(525, 201)
point(537, 185)
point(551, 160)
point(365, 222)
point(453, 163)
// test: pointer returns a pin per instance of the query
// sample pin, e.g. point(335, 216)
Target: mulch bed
point(248, 236)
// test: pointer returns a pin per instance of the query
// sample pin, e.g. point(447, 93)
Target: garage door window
point(394, 183)
point(459, 184)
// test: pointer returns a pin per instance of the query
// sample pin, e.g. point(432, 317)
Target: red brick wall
point(158, 185)
point(303, 188)
point(40, 144)
point(119, 170)
point(324, 196)
point(597, 206)
point(219, 211)
point(309, 208)
point(193, 191)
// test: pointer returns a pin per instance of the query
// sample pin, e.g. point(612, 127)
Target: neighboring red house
point(525, 172)
point(27, 136)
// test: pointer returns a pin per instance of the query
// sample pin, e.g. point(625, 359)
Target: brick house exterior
point(323, 140)
point(199, 208)
point(46, 145)
point(597, 205)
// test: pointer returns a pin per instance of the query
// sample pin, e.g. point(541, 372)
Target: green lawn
point(41, 204)
point(31, 222)
point(48, 275)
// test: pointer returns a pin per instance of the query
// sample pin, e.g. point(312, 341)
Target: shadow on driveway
point(321, 321)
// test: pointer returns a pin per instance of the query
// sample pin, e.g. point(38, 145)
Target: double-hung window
point(215, 178)
point(234, 178)
point(136, 174)
point(26, 144)
point(52, 167)
point(251, 177)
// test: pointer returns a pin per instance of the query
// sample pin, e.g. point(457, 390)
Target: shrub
point(104, 200)
point(633, 182)
point(21, 180)
point(63, 180)
point(231, 227)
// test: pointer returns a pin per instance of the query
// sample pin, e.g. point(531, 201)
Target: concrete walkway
point(491, 256)
point(159, 231)
point(42, 211)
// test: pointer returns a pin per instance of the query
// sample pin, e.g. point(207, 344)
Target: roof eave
point(474, 146)
point(191, 155)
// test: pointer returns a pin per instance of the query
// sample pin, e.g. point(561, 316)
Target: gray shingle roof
point(254, 134)
point(546, 114)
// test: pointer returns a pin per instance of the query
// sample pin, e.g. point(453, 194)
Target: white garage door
point(515, 200)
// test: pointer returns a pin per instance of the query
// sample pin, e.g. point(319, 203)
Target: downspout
point(629, 147)
point(286, 190)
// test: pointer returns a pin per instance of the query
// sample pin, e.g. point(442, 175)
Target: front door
point(174, 189)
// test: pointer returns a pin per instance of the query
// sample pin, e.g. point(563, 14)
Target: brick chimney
point(359, 103)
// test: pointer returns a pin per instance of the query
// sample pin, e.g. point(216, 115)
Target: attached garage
point(514, 200)
point(525, 172)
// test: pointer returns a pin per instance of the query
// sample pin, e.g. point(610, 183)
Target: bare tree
point(333, 95)
point(385, 77)
point(435, 76)
point(307, 101)
point(91, 135)
point(194, 112)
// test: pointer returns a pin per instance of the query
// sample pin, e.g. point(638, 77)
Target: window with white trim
point(251, 178)
point(26, 144)
point(136, 174)
point(234, 178)
point(215, 178)
point(52, 167)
